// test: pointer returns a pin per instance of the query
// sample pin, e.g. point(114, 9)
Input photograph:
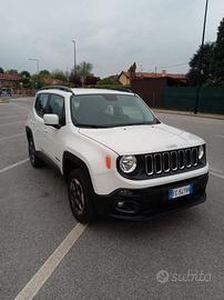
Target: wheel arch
point(71, 162)
point(28, 132)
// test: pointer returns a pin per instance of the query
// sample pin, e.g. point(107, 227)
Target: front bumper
point(143, 204)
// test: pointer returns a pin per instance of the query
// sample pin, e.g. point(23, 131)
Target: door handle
point(45, 130)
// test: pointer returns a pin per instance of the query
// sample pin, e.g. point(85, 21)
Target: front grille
point(171, 161)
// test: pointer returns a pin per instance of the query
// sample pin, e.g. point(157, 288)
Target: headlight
point(201, 152)
point(128, 163)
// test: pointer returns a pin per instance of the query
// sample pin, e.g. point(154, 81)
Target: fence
point(157, 92)
point(24, 92)
point(183, 98)
point(150, 89)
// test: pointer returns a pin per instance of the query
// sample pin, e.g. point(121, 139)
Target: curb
point(20, 98)
point(190, 114)
point(4, 101)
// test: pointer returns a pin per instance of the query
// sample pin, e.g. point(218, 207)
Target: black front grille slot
point(158, 163)
point(188, 158)
point(174, 163)
point(166, 162)
point(181, 159)
point(149, 164)
point(194, 157)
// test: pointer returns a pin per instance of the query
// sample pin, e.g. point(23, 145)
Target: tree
point(75, 80)
point(83, 70)
point(25, 79)
point(106, 81)
point(212, 65)
point(12, 71)
point(44, 74)
point(91, 80)
point(219, 53)
point(207, 65)
point(36, 81)
point(1, 70)
point(60, 75)
point(132, 71)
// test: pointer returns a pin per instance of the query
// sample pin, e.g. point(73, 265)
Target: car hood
point(142, 138)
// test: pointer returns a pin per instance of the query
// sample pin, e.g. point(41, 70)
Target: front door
point(54, 137)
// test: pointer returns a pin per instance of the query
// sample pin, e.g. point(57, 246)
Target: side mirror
point(51, 120)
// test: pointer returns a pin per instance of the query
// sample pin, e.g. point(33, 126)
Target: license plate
point(180, 191)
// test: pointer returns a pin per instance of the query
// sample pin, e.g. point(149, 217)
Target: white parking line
point(13, 116)
point(216, 171)
point(8, 124)
point(23, 99)
point(42, 275)
point(220, 136)
point(13, 166)
point(21, 107)
point(217, 175)
point(12, 137)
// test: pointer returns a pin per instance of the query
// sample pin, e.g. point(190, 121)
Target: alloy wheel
point(77, 196)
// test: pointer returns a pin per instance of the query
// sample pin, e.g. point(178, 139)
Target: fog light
point(120, 204)
point(125, 193)
point(127, 207)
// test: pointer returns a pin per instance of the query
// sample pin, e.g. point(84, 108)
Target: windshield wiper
point(139, 123)
point(117, 125)
point(91, 126)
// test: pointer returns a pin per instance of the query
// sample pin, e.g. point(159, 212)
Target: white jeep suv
point(118, 159)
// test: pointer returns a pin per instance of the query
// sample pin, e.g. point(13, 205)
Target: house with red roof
point(9, 80)
point(124, 77)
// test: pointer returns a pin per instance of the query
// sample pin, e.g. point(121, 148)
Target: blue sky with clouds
point(109, 34)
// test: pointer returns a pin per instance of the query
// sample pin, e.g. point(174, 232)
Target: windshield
point(110, 110)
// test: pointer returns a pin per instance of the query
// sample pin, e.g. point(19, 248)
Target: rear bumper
point(143, 204)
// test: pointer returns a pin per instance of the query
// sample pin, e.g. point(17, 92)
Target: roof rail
point(58, 87)
point(120, 89)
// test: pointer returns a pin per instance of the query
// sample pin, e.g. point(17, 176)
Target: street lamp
point(200, 60)
point(74, 56)
point(37, 62)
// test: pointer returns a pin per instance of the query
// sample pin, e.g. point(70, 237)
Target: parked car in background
point(6, 92)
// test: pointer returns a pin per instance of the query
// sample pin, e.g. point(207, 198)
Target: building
point(9, 80)
point(124, 77)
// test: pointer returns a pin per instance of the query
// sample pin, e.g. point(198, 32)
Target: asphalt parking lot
point(45, 254)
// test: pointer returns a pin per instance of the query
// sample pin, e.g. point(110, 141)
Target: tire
point(36, 162)
point(81, 195)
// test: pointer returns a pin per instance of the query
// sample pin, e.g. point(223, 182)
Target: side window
point(56, 106)
point(40, 105)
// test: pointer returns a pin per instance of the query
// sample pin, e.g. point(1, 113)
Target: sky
point(109, 34)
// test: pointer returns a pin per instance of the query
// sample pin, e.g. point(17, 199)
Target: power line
point(174, 66)
point(168, 67)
